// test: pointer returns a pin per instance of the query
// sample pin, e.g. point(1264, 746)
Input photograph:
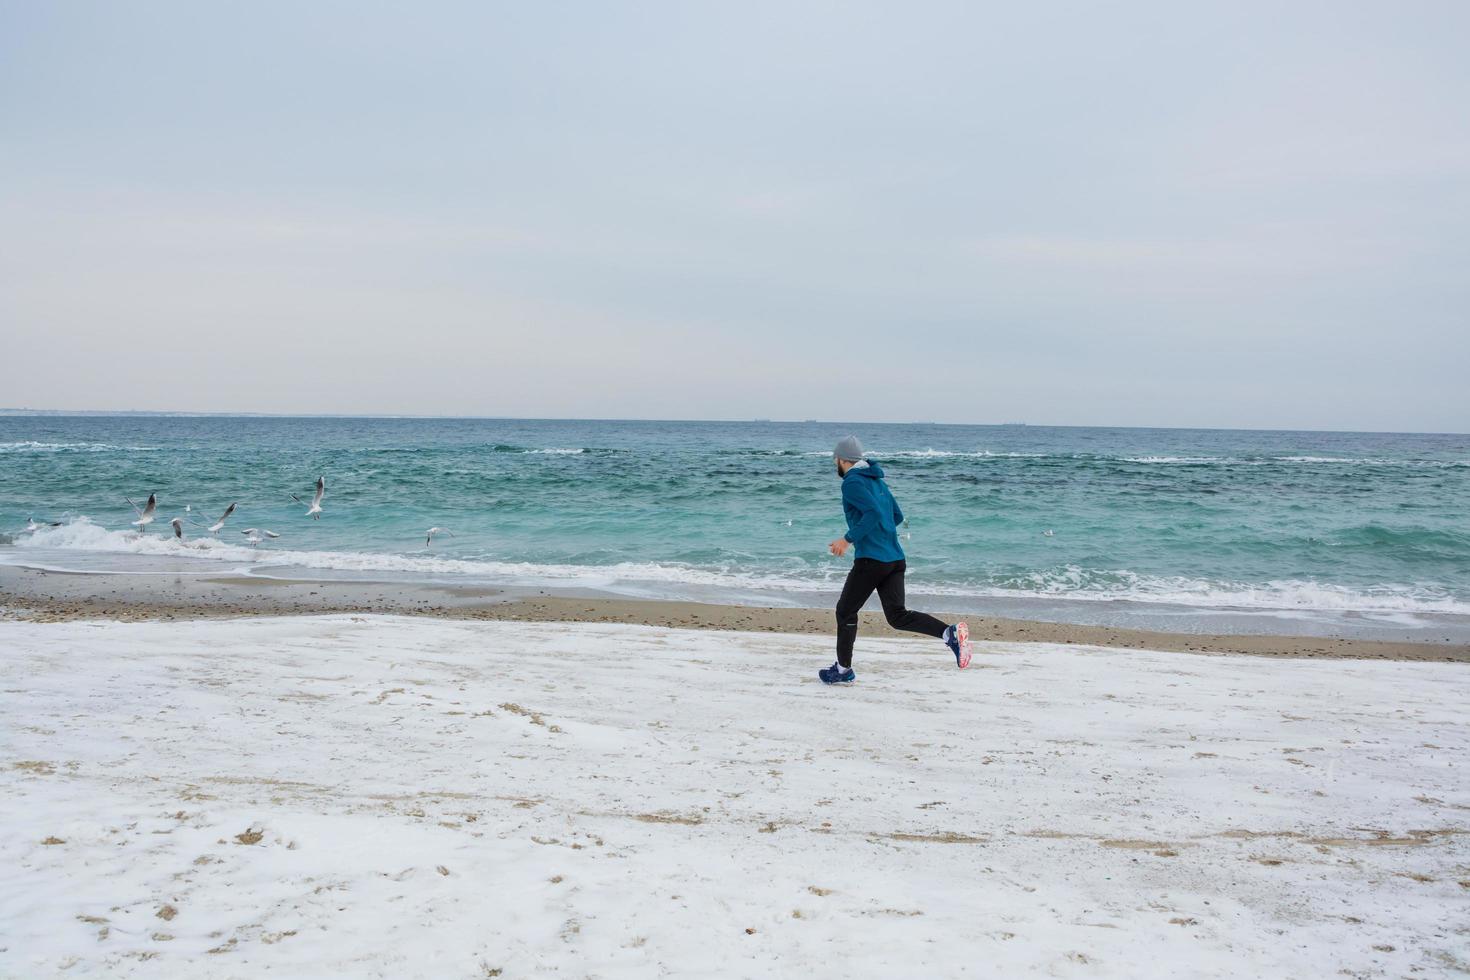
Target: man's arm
point(897, 510)
point(869, 521)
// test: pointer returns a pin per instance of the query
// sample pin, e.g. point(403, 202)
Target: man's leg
point(890, 592)
point(861, 580)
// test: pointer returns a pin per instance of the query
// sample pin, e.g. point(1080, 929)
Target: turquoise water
point(1337, 526)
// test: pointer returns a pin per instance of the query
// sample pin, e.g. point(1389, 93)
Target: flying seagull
point(315, 511)
point(252, 535)
point(178, 523)
point(436, 530)
point(145, 516)
point(215, 527)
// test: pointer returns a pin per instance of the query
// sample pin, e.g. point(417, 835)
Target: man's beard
point(840, 474)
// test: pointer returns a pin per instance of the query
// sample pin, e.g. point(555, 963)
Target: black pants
point(887, 577)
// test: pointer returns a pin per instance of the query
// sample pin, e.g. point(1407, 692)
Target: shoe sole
point(962, 633)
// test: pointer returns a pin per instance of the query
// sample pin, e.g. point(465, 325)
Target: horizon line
point(169, 413)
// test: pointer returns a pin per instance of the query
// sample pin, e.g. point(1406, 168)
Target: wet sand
point(62, 596)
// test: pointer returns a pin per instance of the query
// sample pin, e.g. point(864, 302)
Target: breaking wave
point(1070, 582)
point(1074, 582)
point(30, 446)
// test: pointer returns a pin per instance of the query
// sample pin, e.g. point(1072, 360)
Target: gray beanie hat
point(849, 448)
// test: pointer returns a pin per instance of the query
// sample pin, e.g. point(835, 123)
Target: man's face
point(838, 462)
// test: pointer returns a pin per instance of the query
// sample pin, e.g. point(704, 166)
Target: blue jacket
point(872, 514)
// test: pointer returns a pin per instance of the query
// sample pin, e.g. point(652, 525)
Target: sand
point(371, 796)
point(61, 596)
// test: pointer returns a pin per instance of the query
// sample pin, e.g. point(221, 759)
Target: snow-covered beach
point(392, 797)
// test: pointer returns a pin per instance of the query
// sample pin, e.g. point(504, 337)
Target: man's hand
point(839, 547)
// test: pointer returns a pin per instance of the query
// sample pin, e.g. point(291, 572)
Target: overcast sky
point(1219, 214)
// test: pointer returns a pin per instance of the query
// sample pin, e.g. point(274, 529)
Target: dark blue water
point(1307, 522)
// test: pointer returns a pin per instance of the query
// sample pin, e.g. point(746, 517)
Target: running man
point(873, 517)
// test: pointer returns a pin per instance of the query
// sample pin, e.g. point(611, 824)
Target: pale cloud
point(1218, 214)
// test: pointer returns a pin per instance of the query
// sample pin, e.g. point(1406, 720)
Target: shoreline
point(51, 596)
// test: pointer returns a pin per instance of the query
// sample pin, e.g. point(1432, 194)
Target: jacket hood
point(872, 471)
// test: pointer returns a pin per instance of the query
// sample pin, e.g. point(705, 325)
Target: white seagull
point(315, 510)
point(252, 535)
point(145, 516)
point(1048, 533)
point(436, 530)
point(178, 523)
point(215, 527)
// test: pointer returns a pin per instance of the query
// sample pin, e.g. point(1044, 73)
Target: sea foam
point(1070, 582)
point(31, 446)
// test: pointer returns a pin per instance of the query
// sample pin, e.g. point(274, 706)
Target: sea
point(1314, 533)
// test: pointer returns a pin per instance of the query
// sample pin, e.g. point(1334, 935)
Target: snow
point(393, 797)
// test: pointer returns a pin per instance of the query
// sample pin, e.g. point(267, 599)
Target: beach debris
point(250, 836)
point(145, 515)
point(436, 530)
point(315, 510)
